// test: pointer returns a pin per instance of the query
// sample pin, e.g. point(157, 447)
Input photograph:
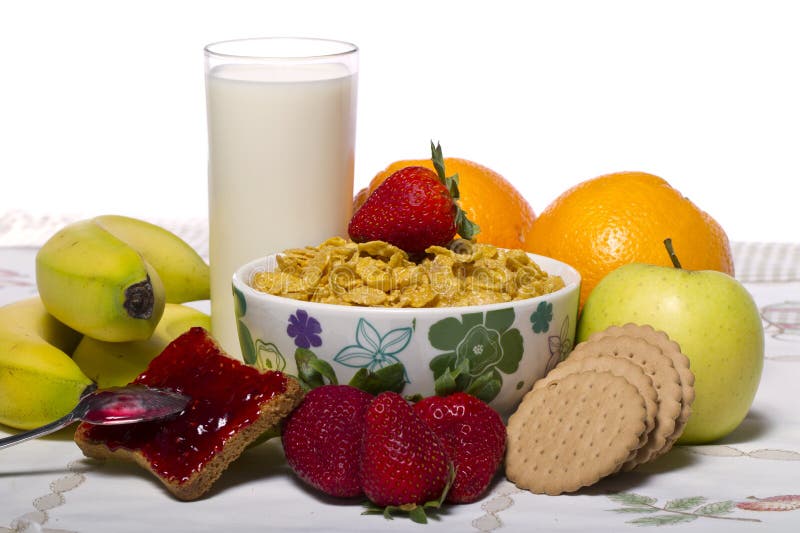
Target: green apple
point(710, 315)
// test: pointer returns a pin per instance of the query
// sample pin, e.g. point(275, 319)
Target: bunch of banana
point(109, 290)
point(109, 277)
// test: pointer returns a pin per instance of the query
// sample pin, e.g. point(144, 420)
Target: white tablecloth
point(47, 485)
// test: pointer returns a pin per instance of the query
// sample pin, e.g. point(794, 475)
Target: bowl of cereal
point(469, 317)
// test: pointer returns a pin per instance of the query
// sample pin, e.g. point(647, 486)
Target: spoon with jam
point(110, 406)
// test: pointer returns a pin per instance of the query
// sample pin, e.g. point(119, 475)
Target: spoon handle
point(62, 422)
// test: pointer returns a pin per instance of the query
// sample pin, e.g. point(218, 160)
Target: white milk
point(281, 153)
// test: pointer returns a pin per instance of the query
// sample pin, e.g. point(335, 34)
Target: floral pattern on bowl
point(494, 351)
point(541, 318)
point(304, 329)
point(560, 345)
point(263, 355)
point(372, 350)
point(478, 350)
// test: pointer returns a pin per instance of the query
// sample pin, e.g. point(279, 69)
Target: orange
point(606, 222)
point(503, 214)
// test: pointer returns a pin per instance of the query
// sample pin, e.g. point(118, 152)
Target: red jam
point(226, 396)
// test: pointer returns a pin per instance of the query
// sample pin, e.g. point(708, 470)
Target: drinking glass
point(281, 146)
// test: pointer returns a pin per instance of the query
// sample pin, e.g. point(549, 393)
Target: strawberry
point(403, 463)
point(413, 209)
point(475, 438)
point(322, 438)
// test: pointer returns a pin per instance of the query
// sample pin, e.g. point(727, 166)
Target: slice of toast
point(231, 405)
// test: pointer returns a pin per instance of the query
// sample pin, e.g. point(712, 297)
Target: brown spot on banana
point(140, 300)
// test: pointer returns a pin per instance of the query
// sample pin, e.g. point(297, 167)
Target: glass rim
point(348, 48)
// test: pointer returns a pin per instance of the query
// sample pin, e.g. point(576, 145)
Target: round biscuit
point(665, 379)
point(618, 366)
point(573, 432)
point(673, 350)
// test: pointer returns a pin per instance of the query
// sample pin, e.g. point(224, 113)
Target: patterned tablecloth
point(750, 481)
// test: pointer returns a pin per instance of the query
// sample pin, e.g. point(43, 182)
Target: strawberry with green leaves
point(414, 208)
point(475, 438)
point(404, 464)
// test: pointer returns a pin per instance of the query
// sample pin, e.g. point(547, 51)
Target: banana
point(184, 273)
point(112, 364)
point(110, 276)
point(95, 283)
point(39, 382)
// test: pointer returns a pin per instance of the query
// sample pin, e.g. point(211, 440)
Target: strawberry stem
point(466, 228)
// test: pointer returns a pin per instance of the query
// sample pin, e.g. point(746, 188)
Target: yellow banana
point(112, 364)
point(96, 284)
point(182, 270)
point(39, 382)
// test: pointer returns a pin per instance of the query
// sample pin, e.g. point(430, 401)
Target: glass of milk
point(281, 138)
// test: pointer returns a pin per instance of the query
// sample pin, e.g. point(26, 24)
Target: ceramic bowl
point(507, 346)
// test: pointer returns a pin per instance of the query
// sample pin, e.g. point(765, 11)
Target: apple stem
point(671, 252)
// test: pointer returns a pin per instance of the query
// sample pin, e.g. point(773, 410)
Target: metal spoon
point(115, 405)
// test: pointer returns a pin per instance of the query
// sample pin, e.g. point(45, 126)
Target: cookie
point(573, 431)
point(679, 360)
point(661, 371)
point(633, 373)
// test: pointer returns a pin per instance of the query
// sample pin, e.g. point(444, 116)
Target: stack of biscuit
point(621, 399)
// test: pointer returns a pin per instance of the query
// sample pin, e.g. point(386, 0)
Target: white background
point(102, 104)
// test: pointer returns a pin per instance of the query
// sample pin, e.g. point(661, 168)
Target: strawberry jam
point(226, 396)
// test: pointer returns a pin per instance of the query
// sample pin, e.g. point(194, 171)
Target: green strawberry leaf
point(447, 381)
point(438, 163)
point(388, 378)
point(486, 386)
point(466, 228)
point(445, 384)
point(312, 371)
point(417, 513)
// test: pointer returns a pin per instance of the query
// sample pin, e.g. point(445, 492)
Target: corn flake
point(378, 274)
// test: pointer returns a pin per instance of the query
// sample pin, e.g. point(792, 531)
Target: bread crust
point(271, 414)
